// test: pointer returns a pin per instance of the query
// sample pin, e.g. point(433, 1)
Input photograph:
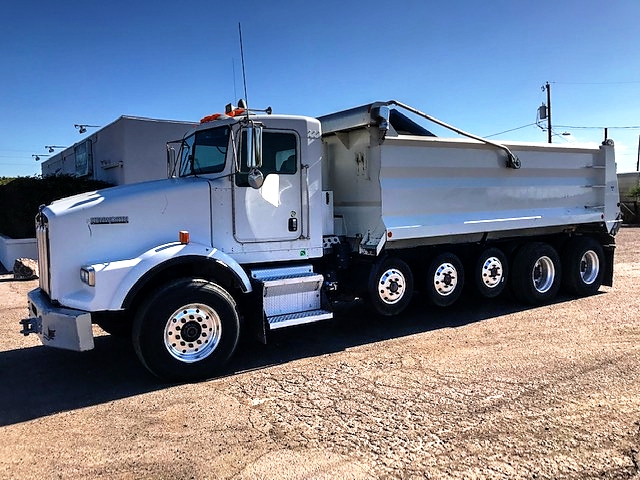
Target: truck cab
point(245, 198)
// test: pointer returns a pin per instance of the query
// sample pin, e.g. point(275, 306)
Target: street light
point(82, 128)
point(51, 147)
point(37, 157)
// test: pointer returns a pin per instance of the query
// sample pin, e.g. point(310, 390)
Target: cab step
point(291, 319)
point(291, 295)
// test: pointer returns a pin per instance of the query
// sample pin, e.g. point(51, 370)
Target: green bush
point(635, 191)
point(21, 197)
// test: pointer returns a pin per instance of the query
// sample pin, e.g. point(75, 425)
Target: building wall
point(128, 150)
point(147, 160)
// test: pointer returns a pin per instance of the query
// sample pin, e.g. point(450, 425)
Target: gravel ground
point(480, 390)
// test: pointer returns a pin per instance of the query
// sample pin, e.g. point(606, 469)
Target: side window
point(279, 155)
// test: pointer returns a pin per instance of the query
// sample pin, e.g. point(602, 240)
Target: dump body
point(411, 190)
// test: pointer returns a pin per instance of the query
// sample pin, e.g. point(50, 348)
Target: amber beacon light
point(184, 237)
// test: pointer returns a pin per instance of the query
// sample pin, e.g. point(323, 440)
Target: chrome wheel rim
point(392, 286)
point(445, 279)
point(492, 272)
point(543, 274)
point(589, 267)
point(192, 332)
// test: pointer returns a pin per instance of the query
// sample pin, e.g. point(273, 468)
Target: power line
point(597, 83)
point(629, 127)
point(510, 130)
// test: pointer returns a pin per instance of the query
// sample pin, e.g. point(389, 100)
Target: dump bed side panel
point(439, 187)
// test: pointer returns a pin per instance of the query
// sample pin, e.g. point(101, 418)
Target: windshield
point(204, 152)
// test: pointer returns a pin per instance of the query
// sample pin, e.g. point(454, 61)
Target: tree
point(22, 196)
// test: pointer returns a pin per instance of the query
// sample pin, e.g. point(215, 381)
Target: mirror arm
point(234, 150)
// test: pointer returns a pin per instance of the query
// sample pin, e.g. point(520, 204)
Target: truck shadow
point(38, 381)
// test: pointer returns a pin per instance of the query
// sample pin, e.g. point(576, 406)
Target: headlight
point(88, 276)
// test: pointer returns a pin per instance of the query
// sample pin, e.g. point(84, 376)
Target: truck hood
point(123, 222)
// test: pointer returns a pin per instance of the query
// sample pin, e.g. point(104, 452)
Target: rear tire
point(584, 264)
point(390, 286)
point(187, 330)
point(536, 273)
point(491, 272)
point(445, 279)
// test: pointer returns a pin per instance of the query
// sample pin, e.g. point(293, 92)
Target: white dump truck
point(269, 221)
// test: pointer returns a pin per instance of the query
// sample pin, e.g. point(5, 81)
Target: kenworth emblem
point(108, 220)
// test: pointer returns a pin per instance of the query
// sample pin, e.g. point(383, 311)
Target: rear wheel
point(445, 279)
point(536, 272)
point(187, 330)
point(490, 273)
point(390, 286)
point(583, 262)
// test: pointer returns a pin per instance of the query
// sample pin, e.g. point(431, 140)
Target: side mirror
point(255, 178)
point(254, 146)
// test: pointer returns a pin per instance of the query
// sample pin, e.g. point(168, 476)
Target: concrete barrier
point(12, 248)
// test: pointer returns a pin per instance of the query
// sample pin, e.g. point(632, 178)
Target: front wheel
point(187, 330)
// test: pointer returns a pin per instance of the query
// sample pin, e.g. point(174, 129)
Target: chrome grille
point(42, 237)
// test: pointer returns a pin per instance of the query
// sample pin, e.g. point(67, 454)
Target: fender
point(123, 275)
point(171, 252)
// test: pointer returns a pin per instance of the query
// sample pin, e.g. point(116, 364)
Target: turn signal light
point(184, 237)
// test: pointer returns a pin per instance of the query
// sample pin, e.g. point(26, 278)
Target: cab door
point(272, 212)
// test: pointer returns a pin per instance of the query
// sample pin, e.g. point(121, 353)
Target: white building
point(128, 150)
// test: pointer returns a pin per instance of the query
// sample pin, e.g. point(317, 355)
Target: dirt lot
point(484, 389)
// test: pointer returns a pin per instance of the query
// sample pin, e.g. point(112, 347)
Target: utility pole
point(638, 161)
point(547, 87)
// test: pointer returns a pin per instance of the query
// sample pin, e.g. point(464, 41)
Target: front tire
point(187, 330)
point(536, 272)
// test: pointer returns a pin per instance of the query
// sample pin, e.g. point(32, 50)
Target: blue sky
point(476, 64)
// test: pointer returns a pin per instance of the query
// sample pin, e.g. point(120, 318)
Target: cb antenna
point(244, 76)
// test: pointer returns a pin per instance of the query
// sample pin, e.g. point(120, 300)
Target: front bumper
point(56, 326)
